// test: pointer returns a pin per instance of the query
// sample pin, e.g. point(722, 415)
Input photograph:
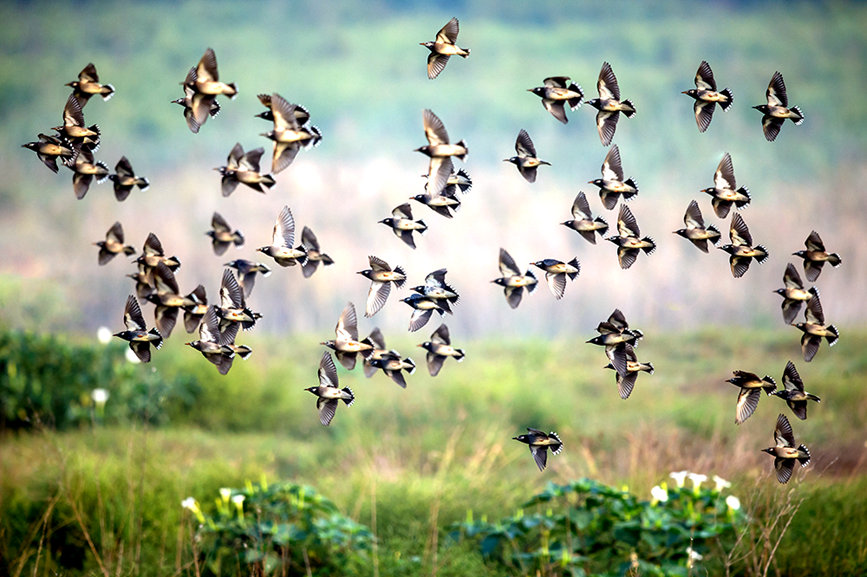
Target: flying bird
point(423, 308)
point(556, 272)
point(402, 224)
point(233, 307)
point(113, 244)
point(137, 334)
point(345, 343)
point(443, 48)
point(167, 298)
point(328, 392)
point(310, 244)
point(707, 97)
point(628, 240)
point(301, 114)
point(794, 294)
point(124, 179)
point(741, 250)
point(609, 104)
point(288, 134)
point(614, 334)
point(435, 287)
point(243, 167)
point(751, 387)
point(814, 329)
point(777, 110)
point(282, 239)
point(381, 278)
point(816, 256)
point(512, 281)
point(153, 254)
point(187, 103)
point(388, 360)
point(626, 383)
point(724, 191)
point(526, 161)
point(213, 344)
point(84, 170)
point(204, 81)
point(695, 231)
point(73, 129)
point(439, 348)
point(556, 92)
point(583, 222)
point(222, 235)
point(793, 392)
point(193, 314)
point(247, 271)
point(440, 151)
point(539, 443)
point(88, 84)
point(784, 451)
point(612, 185)
point(50, 149)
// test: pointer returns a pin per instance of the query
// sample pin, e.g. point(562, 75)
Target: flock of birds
point(218, 325)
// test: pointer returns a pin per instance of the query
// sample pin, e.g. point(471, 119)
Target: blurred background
point(360, 72)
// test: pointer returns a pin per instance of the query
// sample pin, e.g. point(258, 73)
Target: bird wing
point(791, 379)
point(540, 455)
point(507, 264)
point(230, 293)
point(88, 74)
point(309, 240)
point(284, 229)
point(704, 77)
point(250, 160)
point(814, 242)
point(612, 168)
point(327, 371)
point(347, 324)
point(607, 83)
point(219, 224)
point(581, 208)
point(791, 278)
point(783, 435)
point(209, 331)
point(724, 177)
point(776, 93)
point(814, 314)
point(748, 400)
point(72, 112)
point(524, 145)
point(132, 316)
point(402, 211)
point(436, 63)
point(692, 218)
point(441, 335)
point(376, 297)
point(419, 319)
point(738, 232)
point(115, 233)
point(377, 264)
point(448, 34)
point(327, 409)
point(434, 129)
point(207, 68)
point(626, 223)
point(164, 279)
point(284, 113)
point(606, 125)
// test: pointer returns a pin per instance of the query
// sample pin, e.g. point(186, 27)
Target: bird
point(403, 225)
point(707, 97)
point(124, 179)
point(794, 294)
point(345, 344)
point(435, 287)
point(439, 196)
point(777, 109)
point(784, 451)
point(816, 256)
point(50, 149)
point(609, 105)
point(583, 222)
point(167, 298)
point(193, 314)
point(695, 231)
point(423, 308)
point(213, 344)
point(243, 167)
point(204, 81)
point(439, 203)
point(439, 150)
point(137, 334)
point(388, 360)
point(439, 348)
point(616, 323)
point(741, 250)
point(222, 235)
point(628, 240)
point(443, 48)
point(458, 180)
point(73, 129)
point(143, 282)
point(288, 134)
point(113, 245)
point(153, 253)
point(814, 329)
point(611, 185)
point(310, 244)
point(88, 84)
point(301, 114)
point(187, 103)
point(724, 192)
point(793, 392)
point(381, 278)
point(539, 443)
point(282, 239)
point(614, 334)
point(556, 272)
point(233, 307)
point(328, 392)
point(751, 387)
point(626, 383)
point(556, 92)
point(247, 271)
point(526, 160)
point(512, 281)
point(84, 170)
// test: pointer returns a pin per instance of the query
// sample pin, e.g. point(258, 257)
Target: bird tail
point(351, 398)
point(555, 448)
point(104, 167)
point(832, 338)
point(532, 287)
point(604, 224)
point(238, 238)
point(142, 183)
point(268, 180)
point(804, 460)
point(764, 254)
point(158, 341)
point(800, 114)
point(243, 351)
point(648, 249)
point(729, 99)
point(813, 397)
point(399, 282)
point(107, 91)
point(465, 53)
point(128, 250)
point(650, 368)
point(813, 291)
point(716, 234)
point(574, 262)
point(629, 108)
point(746, 192)
point(423, 228)
point(835, 259)
point(771, 386)
point(460, 354)
point(234, 90)
point(631, 182)
point(411, 364)
point(575, 102)
point(466, 182)
point(466, 149)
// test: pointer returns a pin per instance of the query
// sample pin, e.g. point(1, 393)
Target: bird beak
point(684, 91)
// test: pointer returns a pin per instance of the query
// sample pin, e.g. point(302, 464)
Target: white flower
point(733, 503)
point(659, 494)
point(190, 503)
point(99, 396)
point(238, 499)
point(679, 478)
point(720, 483)
point(692, 557)
point(130, 356)
point(103, 335)
point(697, 479)
point(225, 494)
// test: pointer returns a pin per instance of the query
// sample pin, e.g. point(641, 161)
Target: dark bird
point(695, 231)
point(282, 239)
point(794, 394)
point(222, 235)
point(88, 84)
point(345, 344)
point(443, 48)
point(555, 93)
point(153, 254)
point(49, 149)
point(187, 103)
point(403, 225)
point(73, 128)
point(435, 287)
point(310, 245)
point(193, 314)
point(794, 294)
point(724, 192)
point(439, 348)
point(243, 168)
point(815, 257)
point(784, 452)
point(329, 391)
point(84, 170)
point(381, 278)
point(512, 281)
point(143, 282)
point(741, 250)
point(139, 337)
point(457, 181)
point(233, 307)
point(423, 308)
point(439, 150)
point(609, 104)
point(288, 134)
point(626, 383)
point(439, 203)
point(583, 222)
point(113, 244)
point(706, 96)
point(439, 196)
point(616, 323)
point(611, 185)
point(526, 160)
point(777, 110)
point(614, 333)
point(247, 271)
point(539, 443)
point(300, 113)
point(814, 329)
point(751, 387)
point(213, 344)
point(204, 81)
point(167, 298)
point(556, 272)
point(628, 240)
point(124, 179)
point(388, 360)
